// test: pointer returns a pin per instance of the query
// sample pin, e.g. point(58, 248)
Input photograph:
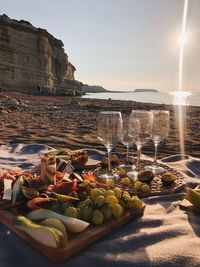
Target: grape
point(99, 201)
point(111, 200)
point(95, 192)
point(145, 188)
point(117, 210)
point(110, 183)
point(88, 202)
point(71, 212)
point(122, 172)
point(86, 212)
point(79, 213)
point(118, 192)
point(103, 190)
point(137, 185)
point(126, 196)
point(125, 181)
point(97, 217)
point(107, 212)
point(122, 203)
point(134, 202)
point(110, 192)
point(66, 205)
point(126, 193)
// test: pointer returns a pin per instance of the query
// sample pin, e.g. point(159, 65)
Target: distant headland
point(145, 90)
point(93, 88)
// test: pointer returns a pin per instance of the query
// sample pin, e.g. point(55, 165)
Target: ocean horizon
point(146, 97)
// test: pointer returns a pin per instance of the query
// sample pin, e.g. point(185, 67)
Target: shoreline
point(67, 122)
point(168, 96)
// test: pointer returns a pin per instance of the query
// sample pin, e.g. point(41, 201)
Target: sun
point(180, 98)
point(182, 39)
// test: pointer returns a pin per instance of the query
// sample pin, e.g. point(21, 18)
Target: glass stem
point(109, 160)
point(127, 154)
point(139, 149)
point(155, 155)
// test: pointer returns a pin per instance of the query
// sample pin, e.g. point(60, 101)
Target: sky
point(120, 44)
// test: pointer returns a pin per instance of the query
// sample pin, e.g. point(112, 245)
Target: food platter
point(131, 206)
point(76, 240)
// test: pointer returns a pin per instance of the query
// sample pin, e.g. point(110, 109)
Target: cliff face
point(30, 57)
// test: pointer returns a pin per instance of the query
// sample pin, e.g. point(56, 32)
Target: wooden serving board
point(77, 242)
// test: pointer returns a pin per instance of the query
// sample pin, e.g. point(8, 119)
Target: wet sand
point(61, 121)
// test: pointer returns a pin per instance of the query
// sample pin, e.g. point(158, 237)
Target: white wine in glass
point(160, 131)
point(109, 133)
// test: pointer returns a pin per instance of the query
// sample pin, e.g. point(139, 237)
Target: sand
point(66, 122)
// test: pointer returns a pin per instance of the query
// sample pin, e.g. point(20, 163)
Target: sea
point(193, 99)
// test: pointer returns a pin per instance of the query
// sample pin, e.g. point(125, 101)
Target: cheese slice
point(7, 189)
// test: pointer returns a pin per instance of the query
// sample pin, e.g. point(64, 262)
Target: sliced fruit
point(28, 193)
point(41, 202)
point(73, 225)
point(64, 198)
point(48, 236)
point(16, 188)
point(55, 223)
point(194, 197)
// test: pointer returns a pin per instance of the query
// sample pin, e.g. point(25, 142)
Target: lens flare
point(180, 97)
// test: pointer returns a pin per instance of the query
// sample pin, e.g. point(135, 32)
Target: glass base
point(132, 175)
point(109, 176)
point(155, 169)
point(127, 167)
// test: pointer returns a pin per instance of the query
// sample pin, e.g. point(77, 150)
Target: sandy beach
point(66, 122)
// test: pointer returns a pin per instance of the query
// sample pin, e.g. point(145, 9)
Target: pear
point(48, 236)
point(72, 225)
point(55, 223)
point(194, 197)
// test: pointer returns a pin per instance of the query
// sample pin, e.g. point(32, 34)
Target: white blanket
point(164, 236)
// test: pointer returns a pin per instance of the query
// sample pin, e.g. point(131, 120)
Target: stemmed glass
point(109, 133)
point(145, 120)
point(127, 141)
point(160, 131)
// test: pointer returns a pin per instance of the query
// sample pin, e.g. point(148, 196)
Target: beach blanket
point(164, 236)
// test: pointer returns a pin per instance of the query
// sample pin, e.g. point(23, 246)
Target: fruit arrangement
point(145, 183)
point(62, 202)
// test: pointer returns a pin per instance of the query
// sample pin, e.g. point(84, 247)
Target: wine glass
point(160, 131)
point(109, 133)
point(127, 141)
point(141, 133)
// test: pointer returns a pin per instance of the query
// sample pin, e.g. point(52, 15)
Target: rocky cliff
point(31, 58)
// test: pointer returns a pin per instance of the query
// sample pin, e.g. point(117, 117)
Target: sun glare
point(180, 98)
point(182, 39)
